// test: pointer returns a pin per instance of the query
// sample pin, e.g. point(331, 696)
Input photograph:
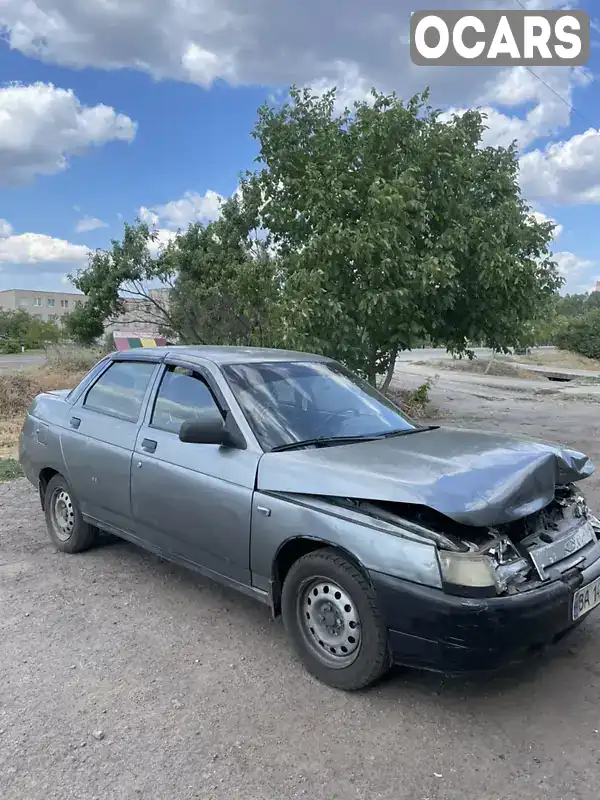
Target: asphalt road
point(12, 363)
point(124, 677)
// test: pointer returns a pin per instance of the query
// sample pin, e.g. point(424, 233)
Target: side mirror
point(209, 429)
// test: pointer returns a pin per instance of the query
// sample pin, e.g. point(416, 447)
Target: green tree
point(21, 329)
point(222, 281)
point(571, 305)
point(581, 334)
point(227, 288)
point(394, 227)
point(593, 301)
point(82, 326)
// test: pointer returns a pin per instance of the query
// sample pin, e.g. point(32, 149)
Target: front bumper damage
point(429, 629)
point(541, 562)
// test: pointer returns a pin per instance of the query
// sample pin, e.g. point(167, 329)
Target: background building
point(142, 317)
point(46, 306)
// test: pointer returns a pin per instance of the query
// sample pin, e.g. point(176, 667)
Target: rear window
point(95, 370)
point(120, 390)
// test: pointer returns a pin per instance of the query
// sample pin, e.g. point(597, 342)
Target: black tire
point(75, 535)
point(370, 659)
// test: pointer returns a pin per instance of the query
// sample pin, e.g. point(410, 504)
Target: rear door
point(192, 500)
point(99, 439)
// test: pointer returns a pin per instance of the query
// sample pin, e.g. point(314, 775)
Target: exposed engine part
point(523, 554)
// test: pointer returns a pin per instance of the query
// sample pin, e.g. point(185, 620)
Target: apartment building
point(141, 317)
point(46, 306)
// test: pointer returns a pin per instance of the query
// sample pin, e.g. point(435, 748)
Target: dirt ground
point(124, 677)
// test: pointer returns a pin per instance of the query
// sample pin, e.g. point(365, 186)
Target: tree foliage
point(580, 334)
point(227, 288)
point(360, 234)
point(20, 329)
point(394, 226)
point(221, 279)
point(573, 305)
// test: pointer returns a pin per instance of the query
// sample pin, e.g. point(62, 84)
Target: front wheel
point(66, 527)
point(331, 615)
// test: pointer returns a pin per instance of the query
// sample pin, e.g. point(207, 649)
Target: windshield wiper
point(320, 441)
point(389, 434)
point(323, 441)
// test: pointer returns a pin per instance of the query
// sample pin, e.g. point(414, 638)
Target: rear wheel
point(331, 615)
point(64, 522)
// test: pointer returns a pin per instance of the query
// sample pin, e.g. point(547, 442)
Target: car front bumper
point(429, 629)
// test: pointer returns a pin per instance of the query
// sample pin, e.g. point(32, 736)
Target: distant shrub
point(9, 346)
point(414, 402)
point(581, 334)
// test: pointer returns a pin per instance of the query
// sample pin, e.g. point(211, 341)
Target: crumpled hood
point(475, 478)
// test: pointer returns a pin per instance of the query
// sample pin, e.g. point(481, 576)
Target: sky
point(116, 109)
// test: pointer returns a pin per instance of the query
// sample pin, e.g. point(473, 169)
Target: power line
point(585, 75)
point(554, 92)
point(560, 97)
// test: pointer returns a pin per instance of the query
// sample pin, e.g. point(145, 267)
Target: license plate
point(586, 599)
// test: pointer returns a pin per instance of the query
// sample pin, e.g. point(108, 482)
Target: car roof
point(219, 354)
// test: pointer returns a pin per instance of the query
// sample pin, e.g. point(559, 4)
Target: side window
point(182, 396)
point(120, 390)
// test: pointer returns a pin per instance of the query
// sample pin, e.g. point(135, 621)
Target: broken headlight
point(468, 574)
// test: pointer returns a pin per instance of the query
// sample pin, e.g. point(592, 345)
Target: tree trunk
point(372, 369)
point(490, 362)
point(390, 371)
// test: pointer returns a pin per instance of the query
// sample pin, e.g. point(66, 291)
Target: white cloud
point(89, 224)
point(162, 238)
point(36, 261)
point(516, 87)
point(37, 248)
point(539, 216)
point(351, 86)
point(6, 228)
point(177, 214)
point(564, 172)
point(41, 126)
point(267, 43)
point(33, 260)
point(579, 273)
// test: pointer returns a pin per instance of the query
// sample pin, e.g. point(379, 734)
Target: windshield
point(287, 402)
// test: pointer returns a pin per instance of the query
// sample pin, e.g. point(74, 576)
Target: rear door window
point(120, 391)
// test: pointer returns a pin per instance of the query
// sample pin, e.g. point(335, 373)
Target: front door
point(192, 500)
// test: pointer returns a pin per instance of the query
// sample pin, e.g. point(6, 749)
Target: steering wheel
point(350, 412)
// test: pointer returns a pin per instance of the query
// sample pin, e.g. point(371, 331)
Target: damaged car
point(289, 478)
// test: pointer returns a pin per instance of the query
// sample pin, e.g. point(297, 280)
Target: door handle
point(75, 422)
point(149, 445)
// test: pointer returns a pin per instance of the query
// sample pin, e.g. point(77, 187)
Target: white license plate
point(586, 598)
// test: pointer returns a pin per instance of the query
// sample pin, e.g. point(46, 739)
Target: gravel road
point(125, 677)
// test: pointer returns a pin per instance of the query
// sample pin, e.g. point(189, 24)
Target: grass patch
point(10, 470)
point(62, 370)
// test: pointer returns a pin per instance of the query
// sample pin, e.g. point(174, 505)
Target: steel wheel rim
point(63, 514)
point(329, 621)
